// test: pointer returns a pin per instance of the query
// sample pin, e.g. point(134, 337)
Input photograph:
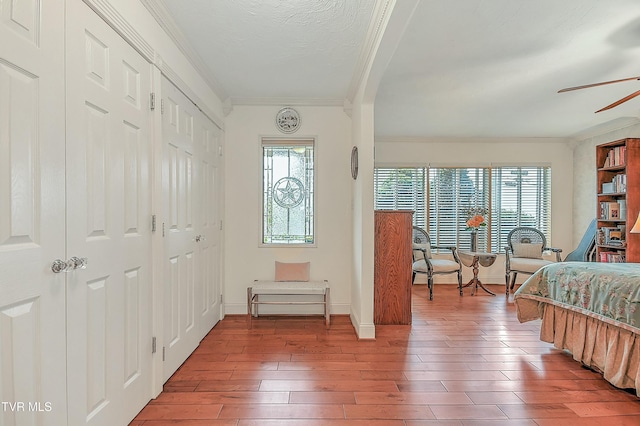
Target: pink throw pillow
point(292, 271)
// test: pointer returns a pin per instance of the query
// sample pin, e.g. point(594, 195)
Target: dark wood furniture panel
point(618, 186)
point(392, 269)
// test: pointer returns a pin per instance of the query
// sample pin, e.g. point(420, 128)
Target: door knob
point(77, 263)
point(59, 266)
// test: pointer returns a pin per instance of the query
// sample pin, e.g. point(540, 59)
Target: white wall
point(245, 260)
point(478, 152)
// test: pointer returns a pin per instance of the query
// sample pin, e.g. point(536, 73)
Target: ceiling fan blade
point(568, 89)
point(616, 103)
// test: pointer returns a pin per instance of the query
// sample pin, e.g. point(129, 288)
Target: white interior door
point(180, 206)
point(209, 229)
point(32, 223)
point(109, 147)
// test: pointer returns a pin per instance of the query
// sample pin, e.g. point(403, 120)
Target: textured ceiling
point(464, 68)
point(305, 49)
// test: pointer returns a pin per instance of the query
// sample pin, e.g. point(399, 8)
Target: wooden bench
point(287, 288)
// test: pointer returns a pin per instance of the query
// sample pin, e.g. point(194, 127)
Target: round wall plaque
point(287, 120)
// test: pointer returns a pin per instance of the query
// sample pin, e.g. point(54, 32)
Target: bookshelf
point(618, 174)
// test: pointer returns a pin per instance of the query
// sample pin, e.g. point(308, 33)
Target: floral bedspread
point(608, 291)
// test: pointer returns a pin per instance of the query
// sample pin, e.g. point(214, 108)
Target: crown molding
point(227, 107)
point(381, 14)
point(609, 126)
point(168, 72)
point(160, 13)
point(453, 139)
point(115, 20)
point(348, 108)
point(287, 101)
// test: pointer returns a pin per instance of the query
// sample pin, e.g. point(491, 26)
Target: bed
point(591, 310)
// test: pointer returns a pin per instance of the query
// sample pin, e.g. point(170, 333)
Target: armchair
point(424, 263)
point(524, 254)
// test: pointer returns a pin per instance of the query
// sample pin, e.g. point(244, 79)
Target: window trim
point(267, 141)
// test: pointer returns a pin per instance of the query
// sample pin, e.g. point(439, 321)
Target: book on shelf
point(615, 157)
point(612, 257)
point(620, 183)
point(617, 185)
point(609, 210)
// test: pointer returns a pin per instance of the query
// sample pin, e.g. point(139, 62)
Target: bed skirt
point(611, 350)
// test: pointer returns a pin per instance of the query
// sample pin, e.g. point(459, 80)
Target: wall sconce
point(636, 227)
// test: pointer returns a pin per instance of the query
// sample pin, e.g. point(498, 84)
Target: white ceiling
point(464, 68)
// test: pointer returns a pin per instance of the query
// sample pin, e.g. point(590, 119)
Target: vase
point(474, 240)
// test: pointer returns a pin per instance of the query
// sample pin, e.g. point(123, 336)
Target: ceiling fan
point(616, 103)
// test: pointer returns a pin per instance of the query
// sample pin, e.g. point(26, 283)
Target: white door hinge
point(152, 101)
point(163, 229)
point(153, 345)
point(163, 353)
point(153, 223)
point(161, 106)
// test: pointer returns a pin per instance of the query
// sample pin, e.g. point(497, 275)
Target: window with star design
point(287, 195)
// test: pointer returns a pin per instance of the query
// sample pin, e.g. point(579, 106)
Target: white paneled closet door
point(32, 222)
point(109, 146)
point(209, 229)
point(181, 208)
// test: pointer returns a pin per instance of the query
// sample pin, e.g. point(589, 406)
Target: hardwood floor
point(463, 361)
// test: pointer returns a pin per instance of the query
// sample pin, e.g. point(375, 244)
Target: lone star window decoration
point(288, 192)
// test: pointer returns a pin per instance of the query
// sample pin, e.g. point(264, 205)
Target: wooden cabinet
point(392, 269)
point(618, 174)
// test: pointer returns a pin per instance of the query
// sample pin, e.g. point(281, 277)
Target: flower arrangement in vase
point(475, 220)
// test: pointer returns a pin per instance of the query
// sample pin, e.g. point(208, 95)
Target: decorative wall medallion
point(354, 162)
point(287, 120)
point(288, 192)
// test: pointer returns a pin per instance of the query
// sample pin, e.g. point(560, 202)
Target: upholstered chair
point(425, 263)
point(524, 254)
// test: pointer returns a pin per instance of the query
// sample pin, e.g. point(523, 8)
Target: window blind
point(521, 197)
point(452, 192)
point(442, 196)
point(401, 189)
